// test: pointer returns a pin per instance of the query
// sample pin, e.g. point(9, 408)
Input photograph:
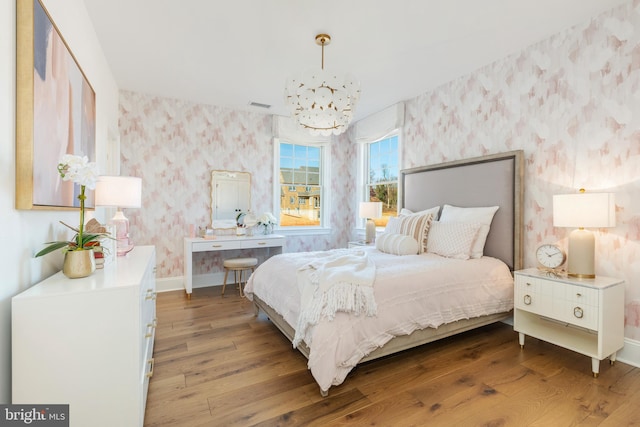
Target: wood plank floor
point(216, 364)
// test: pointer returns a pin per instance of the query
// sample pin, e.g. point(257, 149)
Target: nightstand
point(359, 243)
point(583, 315)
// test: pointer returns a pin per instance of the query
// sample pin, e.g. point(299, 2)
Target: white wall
point(24, 232)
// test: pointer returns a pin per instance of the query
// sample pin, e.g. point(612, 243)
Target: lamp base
point(370, 232)
point(581, 254)
point(124, 245)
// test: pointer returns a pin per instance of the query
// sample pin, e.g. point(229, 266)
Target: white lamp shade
point(119, 191)
point(584, 210)
point(370, 209)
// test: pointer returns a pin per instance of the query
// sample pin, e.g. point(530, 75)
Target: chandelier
point(322, 101)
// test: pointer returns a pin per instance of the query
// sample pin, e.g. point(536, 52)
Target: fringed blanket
point(339, 280)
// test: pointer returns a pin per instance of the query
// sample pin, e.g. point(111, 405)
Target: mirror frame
point(227, 174)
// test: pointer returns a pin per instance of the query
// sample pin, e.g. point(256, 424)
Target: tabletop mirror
point(230, 194)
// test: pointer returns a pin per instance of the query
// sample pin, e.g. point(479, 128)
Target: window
point(301, 184)
point(381, 168)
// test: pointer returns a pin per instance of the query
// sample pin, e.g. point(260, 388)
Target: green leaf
point(54, 246)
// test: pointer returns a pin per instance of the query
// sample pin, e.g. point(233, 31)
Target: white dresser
point(583, 315)
point(88, 342)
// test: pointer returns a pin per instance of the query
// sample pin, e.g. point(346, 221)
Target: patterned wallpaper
point(174, 145)
point(571, 102)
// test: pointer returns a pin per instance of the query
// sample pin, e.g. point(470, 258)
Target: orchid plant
point(79, 170)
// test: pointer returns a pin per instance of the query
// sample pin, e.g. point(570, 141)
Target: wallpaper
point(571, 102)
point(174, 145)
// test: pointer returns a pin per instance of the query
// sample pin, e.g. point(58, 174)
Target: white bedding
point(411, 292)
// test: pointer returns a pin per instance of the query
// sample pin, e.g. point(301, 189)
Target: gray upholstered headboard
point(482, 181)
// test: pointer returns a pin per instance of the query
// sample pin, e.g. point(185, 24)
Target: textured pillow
point(397, 244)
point(416, 226)
point(452, 239)
point(433, 211)
point(481, 215)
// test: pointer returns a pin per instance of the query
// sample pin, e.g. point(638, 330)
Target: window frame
point(363, 175)
point(325, 183)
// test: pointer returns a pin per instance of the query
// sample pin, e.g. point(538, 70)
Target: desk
point(224, 243)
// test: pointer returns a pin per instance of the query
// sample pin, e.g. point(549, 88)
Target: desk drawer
point(262, 243)
point(216, 245)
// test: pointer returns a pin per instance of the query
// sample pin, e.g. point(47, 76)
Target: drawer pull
point(262, 243)
point(527, 299)
point(578, 312)
point(528, 284)
point(150, 373)
point(216, 246)
point(151, 295)
point(578, 294)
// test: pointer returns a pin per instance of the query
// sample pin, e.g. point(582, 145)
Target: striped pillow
point(416, 226)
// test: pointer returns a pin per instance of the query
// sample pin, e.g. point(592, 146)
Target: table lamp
point(583, 210)
point(119, 192)
point(370, 210)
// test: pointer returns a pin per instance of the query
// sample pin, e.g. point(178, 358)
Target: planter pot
point(78, 264)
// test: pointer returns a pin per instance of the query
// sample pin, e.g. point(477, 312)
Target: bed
point(479, 290)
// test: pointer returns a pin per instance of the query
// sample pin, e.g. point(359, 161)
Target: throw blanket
point(339, 280)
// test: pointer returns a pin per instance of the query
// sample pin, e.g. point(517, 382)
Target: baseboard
point(630, 353)
point(199, 281)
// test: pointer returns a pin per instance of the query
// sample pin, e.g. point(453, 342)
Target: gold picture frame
point(55, 111)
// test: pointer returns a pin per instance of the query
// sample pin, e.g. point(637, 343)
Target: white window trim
point(325, 212)
point(363, 172)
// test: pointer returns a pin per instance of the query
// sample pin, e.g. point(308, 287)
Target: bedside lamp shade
point(370, 210)
point(583, 210)
point(120, 192)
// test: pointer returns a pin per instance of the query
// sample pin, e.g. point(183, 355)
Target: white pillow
point(433, 211)
point(452, 239)
point(481, 215)
point(397, 244)
point(416, 226)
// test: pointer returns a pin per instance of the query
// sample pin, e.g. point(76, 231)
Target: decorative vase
point(78, 264)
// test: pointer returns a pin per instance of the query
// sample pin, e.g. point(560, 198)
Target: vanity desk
point(274, 243)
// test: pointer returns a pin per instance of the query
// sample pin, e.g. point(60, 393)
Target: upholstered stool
point(239, 266)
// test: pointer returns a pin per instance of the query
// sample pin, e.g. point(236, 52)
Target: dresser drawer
point(216, 245)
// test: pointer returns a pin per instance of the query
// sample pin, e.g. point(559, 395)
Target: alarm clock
point(550, 256)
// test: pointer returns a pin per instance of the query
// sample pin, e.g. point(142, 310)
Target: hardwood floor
point(216, 364)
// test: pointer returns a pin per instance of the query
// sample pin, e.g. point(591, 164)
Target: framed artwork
point(55, 111)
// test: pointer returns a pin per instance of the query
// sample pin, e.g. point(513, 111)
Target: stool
point(238, 266)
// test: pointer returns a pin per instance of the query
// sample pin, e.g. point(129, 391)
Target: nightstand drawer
point(533, 295)
point(577, 305)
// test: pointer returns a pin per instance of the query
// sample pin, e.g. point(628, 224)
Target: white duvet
point(411, 292)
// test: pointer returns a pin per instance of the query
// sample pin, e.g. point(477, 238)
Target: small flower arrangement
point(79, 170)
point(267, 219)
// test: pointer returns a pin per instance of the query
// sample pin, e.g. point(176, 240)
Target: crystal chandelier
point(322, 101)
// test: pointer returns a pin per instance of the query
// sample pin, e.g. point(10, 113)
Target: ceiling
point(234, 52)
